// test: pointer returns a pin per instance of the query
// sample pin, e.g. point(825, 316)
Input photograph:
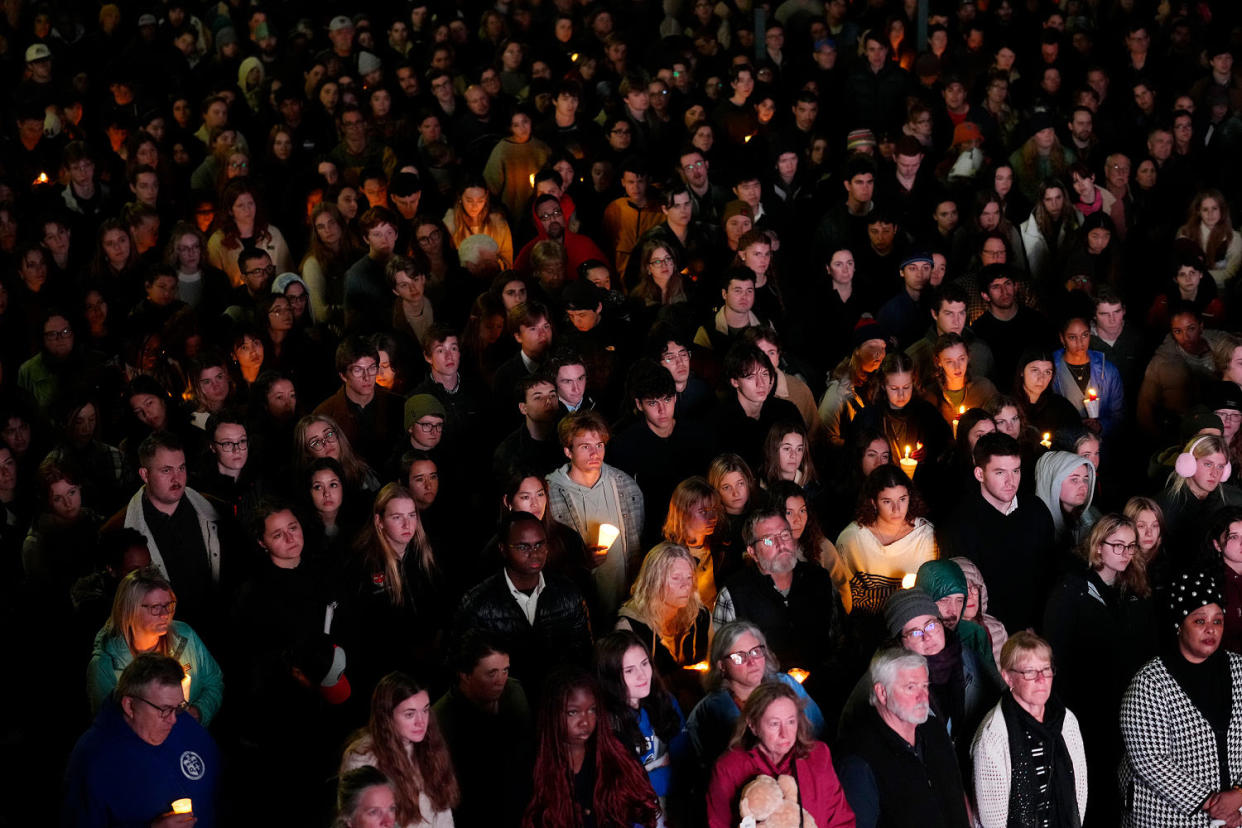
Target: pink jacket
point(821, 792)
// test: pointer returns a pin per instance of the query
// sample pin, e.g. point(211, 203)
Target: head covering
point(996, 630)
point(1197, 419)
point(368, 63)
point(858, 139)
point(38, 51)
point(421, 405)
point(580, 295)
point(1040, 121)
point(147, 20)
point(966, 131)
point(285, 279)
point(1192, 590)
point(1223, 394)
point(825, 43)
point(737, 207)
point(1050, 473)
point(940, 579)
point(914, 257)
point(866, 330)
point(340, 22)
point(226, 36)
point(906, 604)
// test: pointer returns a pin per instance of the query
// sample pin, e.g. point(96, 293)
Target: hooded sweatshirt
point(942, 578)
point(995, 629)
point(1050, 472)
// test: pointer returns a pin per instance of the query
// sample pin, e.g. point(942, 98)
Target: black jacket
point(561, 632)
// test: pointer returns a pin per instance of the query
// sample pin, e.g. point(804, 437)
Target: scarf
point(948, 682)
point(1041, 791)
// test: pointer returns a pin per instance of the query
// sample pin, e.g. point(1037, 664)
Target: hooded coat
point(997, 634)
point(943, 578)
point(1050, 472)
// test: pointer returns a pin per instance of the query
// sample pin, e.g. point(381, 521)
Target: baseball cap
point(38, 51)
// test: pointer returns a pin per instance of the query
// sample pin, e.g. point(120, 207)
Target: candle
point(182, 806)
point(1092, 403)
point(532, 179)
point(42, 179)
point(607, 535)
point(961, 409)
point(185, 686)
point(909, 464)
point(700, 667)
point(907, 580)
point(798, 674)
point(1047, 441)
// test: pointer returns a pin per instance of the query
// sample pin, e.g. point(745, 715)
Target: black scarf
point(1209, 688)
point(948, 683)
point(1029, 807)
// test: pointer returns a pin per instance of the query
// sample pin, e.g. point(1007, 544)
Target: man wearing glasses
point(540, 618)
point(552, 224)
point(369, 416)
point(794, 603)
point(257, 273)
point(117, 779)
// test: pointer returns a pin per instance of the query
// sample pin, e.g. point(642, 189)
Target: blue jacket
point(665, 763)
point(112, 655)
point(116, 779)
point(1104, 379)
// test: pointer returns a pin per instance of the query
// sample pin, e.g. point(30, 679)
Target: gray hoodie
point(1050, 473)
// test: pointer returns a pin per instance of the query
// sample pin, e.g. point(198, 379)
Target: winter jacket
point(112, 655)
point(1106, 381)
point(818, 787)
point(1050, 472)
point(712, 720)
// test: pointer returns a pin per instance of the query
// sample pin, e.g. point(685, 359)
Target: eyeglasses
point(160, 610)
point(660, 261)
point(770, 540)
point(527, 548)
point(430, 428)
point(1119, 548)
point(239, 165)
point(233, 445)
point(696, 165)
point(746, 656)
point(1031, 675)
point(360, 371)
point(551, 214)
point(164, 711)
point(299, 298)
point(270, 270)
point(927, 629)
point(675, 356)
point(63, 333)
point(430, 238)
point(316, 443)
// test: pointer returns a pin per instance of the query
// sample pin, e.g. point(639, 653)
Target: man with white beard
point(898, 764)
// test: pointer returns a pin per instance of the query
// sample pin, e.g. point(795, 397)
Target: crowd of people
point(570, 414)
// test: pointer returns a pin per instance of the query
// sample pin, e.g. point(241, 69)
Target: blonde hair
point(127, 604)
point(690, 494)
point(379, 553)
point(1134, 578)
point(1021, 643)
point(647, 595)
point(1199, 446)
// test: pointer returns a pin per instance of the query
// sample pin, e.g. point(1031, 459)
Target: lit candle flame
point(907, 452)
point(746, 140)
point(907, 580)
point(574, 57)
point(700, 667)
point(42, 179)
point(532, 180)
point(961, 409)
point(1092, 395)
point(1047, 441)
point(798, 674)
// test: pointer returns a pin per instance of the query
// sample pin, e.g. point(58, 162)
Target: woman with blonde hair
point(734, 482)
point(1197, 488)
point(1100, 620)
point(142, 622)
point(693, 511)
point(665, 611)
point(1208, 225)
point(318, 435)
point(393, 583)
point(403, 741)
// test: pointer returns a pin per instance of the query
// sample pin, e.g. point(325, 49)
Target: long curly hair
point(609, 652)
point(622, 794)
point(424, 767)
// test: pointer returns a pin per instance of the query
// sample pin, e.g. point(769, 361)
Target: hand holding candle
point(1092, 403)
point(1047, 441)
point(961, 409)
point(909, 464)
point(182, 806)
point(607, 536)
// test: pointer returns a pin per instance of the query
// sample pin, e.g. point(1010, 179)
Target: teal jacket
point(111, 655)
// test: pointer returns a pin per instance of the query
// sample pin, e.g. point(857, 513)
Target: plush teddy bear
point(772, 803)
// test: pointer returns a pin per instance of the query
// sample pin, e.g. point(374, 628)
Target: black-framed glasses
point(430, 428)
point(316, 443)
point(233, 445)
point(160, 610)
point(164, 711)
point(1031, 675)
point(63, 333)
point(1119, 548)
point(270, 270)
point(361, 371)
point(742, 657)
point(927, 629)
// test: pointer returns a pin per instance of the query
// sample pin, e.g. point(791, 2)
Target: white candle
point(607, 535)
point(182, 806)
point(185, 686)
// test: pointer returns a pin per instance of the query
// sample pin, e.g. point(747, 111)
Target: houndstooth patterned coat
point(1170, 764)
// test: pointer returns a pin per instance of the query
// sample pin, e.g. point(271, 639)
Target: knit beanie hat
point(737, 207)
point(419, 406)
point(858, 139)
point(905, 605)
point(1190, 591)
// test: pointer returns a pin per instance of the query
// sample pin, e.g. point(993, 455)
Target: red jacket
point(578, 247)
point(818, 785)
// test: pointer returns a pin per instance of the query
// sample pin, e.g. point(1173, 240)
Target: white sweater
point(994, 770)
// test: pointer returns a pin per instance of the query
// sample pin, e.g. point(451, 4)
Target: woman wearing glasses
point(1100, 621)
point(1030, 766)
point(142, 622)
point(740, 662)
point(316, 436)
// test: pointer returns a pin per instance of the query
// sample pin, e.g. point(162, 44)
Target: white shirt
point(528, 603)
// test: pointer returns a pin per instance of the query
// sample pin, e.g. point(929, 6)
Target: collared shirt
point(531, 365)
point(528, 603)
point(1010, 509)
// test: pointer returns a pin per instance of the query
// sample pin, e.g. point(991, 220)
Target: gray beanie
point(906, 604)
